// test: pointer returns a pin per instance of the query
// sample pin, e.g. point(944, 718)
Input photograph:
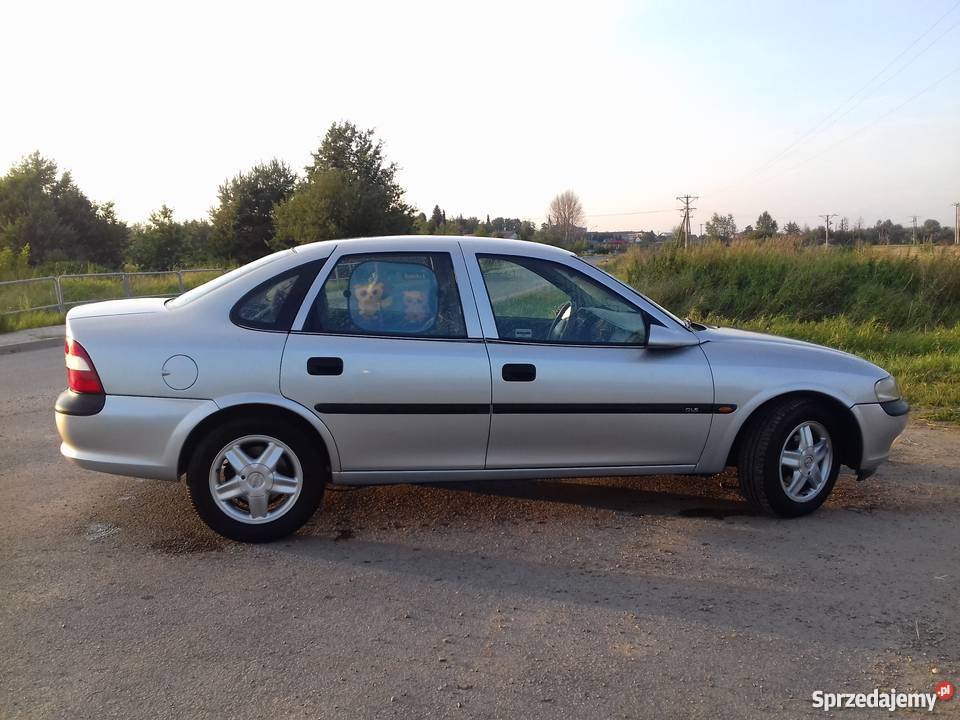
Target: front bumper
point(134, 436)
point(879, 427)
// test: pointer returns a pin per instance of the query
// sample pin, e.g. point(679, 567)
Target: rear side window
point(395, 294)
point(273, 304)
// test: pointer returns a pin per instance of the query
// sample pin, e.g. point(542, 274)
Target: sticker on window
point(393, 297)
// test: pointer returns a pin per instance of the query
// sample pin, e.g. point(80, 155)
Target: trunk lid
point(130, 306)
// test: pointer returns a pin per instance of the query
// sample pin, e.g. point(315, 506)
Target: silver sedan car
point(434, 359)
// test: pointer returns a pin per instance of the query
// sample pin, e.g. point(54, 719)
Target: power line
point(632, 212)
point(826, 120)
point(899, 70)
point(869, 125)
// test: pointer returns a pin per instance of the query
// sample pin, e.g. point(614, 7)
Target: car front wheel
point(788, 462)
point(256, 480)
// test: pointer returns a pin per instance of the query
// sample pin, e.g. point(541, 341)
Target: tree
point(791, 228)
point(243, 224)
point(198, 247)
point(436, 220)
point(47, 211)
point(932, 232)
point(766, 226)
point(350, 191)
point(566, 215)
point(890, 233)
point(158, 245)
point(526, 230)
point(721, 227)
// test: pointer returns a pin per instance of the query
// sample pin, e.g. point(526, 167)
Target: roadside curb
point(32, 344)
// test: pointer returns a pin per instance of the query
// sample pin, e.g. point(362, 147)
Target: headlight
point(887, 389)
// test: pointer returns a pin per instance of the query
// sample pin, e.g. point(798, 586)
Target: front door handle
point(325, 366)
point(519, 372)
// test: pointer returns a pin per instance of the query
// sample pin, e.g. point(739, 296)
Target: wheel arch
point(851, 436)
point(252, 407)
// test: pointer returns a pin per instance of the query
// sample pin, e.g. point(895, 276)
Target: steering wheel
point(559, 325)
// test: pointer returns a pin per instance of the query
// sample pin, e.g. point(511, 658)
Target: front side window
point(547, 302)
point(395, 294)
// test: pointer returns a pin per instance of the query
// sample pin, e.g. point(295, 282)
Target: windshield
point(225, 279)
point(620, 282)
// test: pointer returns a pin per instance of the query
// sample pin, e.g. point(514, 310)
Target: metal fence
point(62, 292)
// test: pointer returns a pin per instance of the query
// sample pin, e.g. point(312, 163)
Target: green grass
point(22, 296)
point(29, 320)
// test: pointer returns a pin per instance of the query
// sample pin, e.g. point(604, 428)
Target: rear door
point(390, 356)
point(573, 384)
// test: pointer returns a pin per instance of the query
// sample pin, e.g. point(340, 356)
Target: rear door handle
point(325, 366)
point(519, 372)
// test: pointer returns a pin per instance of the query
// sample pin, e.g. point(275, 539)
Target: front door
point(385, 359)
point(573, 384)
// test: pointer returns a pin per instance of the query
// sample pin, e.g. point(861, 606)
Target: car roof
point(403, 242)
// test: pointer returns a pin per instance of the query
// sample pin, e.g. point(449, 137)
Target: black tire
point(310, 457)
point(758, 462)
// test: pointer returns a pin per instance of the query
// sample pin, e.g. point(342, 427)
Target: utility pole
point(685, 224)
point(826, 219)
point(915, 218)
point(956, 224)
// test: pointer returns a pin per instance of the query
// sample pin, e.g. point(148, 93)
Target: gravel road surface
point(613, 598)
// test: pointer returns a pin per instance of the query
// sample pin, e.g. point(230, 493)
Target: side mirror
point(660, 337)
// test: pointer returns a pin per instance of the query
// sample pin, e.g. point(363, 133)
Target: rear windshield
point(225, 279)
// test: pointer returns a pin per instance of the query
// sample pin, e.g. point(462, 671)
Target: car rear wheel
point(788, 462)
point(256, 480)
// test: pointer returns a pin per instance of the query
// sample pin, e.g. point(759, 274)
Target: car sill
point(386, 477)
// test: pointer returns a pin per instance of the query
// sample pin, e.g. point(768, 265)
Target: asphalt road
point(651, 597)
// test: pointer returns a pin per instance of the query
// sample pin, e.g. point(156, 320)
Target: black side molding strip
point(896, 408)
point(522, 408)
point(610, 408)
point(403, 408)
point(73, 403)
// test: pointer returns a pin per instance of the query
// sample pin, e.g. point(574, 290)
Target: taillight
point(81, 374)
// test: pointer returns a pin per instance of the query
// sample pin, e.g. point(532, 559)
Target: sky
point(799, 108)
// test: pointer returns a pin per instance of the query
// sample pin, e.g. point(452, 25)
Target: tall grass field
point(898, 310)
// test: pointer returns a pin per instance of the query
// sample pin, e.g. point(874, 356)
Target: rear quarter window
point(273, 304)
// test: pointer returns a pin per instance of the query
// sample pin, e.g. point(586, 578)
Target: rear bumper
point(879, 428)
point(134, 436)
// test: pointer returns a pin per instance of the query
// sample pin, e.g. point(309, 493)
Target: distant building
point(616, 239)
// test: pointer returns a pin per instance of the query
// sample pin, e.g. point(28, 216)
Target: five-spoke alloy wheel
point(256, 480)
point(806, 460)
point(788, 462)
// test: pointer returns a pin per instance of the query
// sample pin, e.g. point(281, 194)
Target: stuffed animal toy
point(414, 306)
point(370, 299)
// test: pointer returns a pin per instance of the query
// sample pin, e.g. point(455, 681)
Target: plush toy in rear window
point(393, 297)
point(369, 298)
